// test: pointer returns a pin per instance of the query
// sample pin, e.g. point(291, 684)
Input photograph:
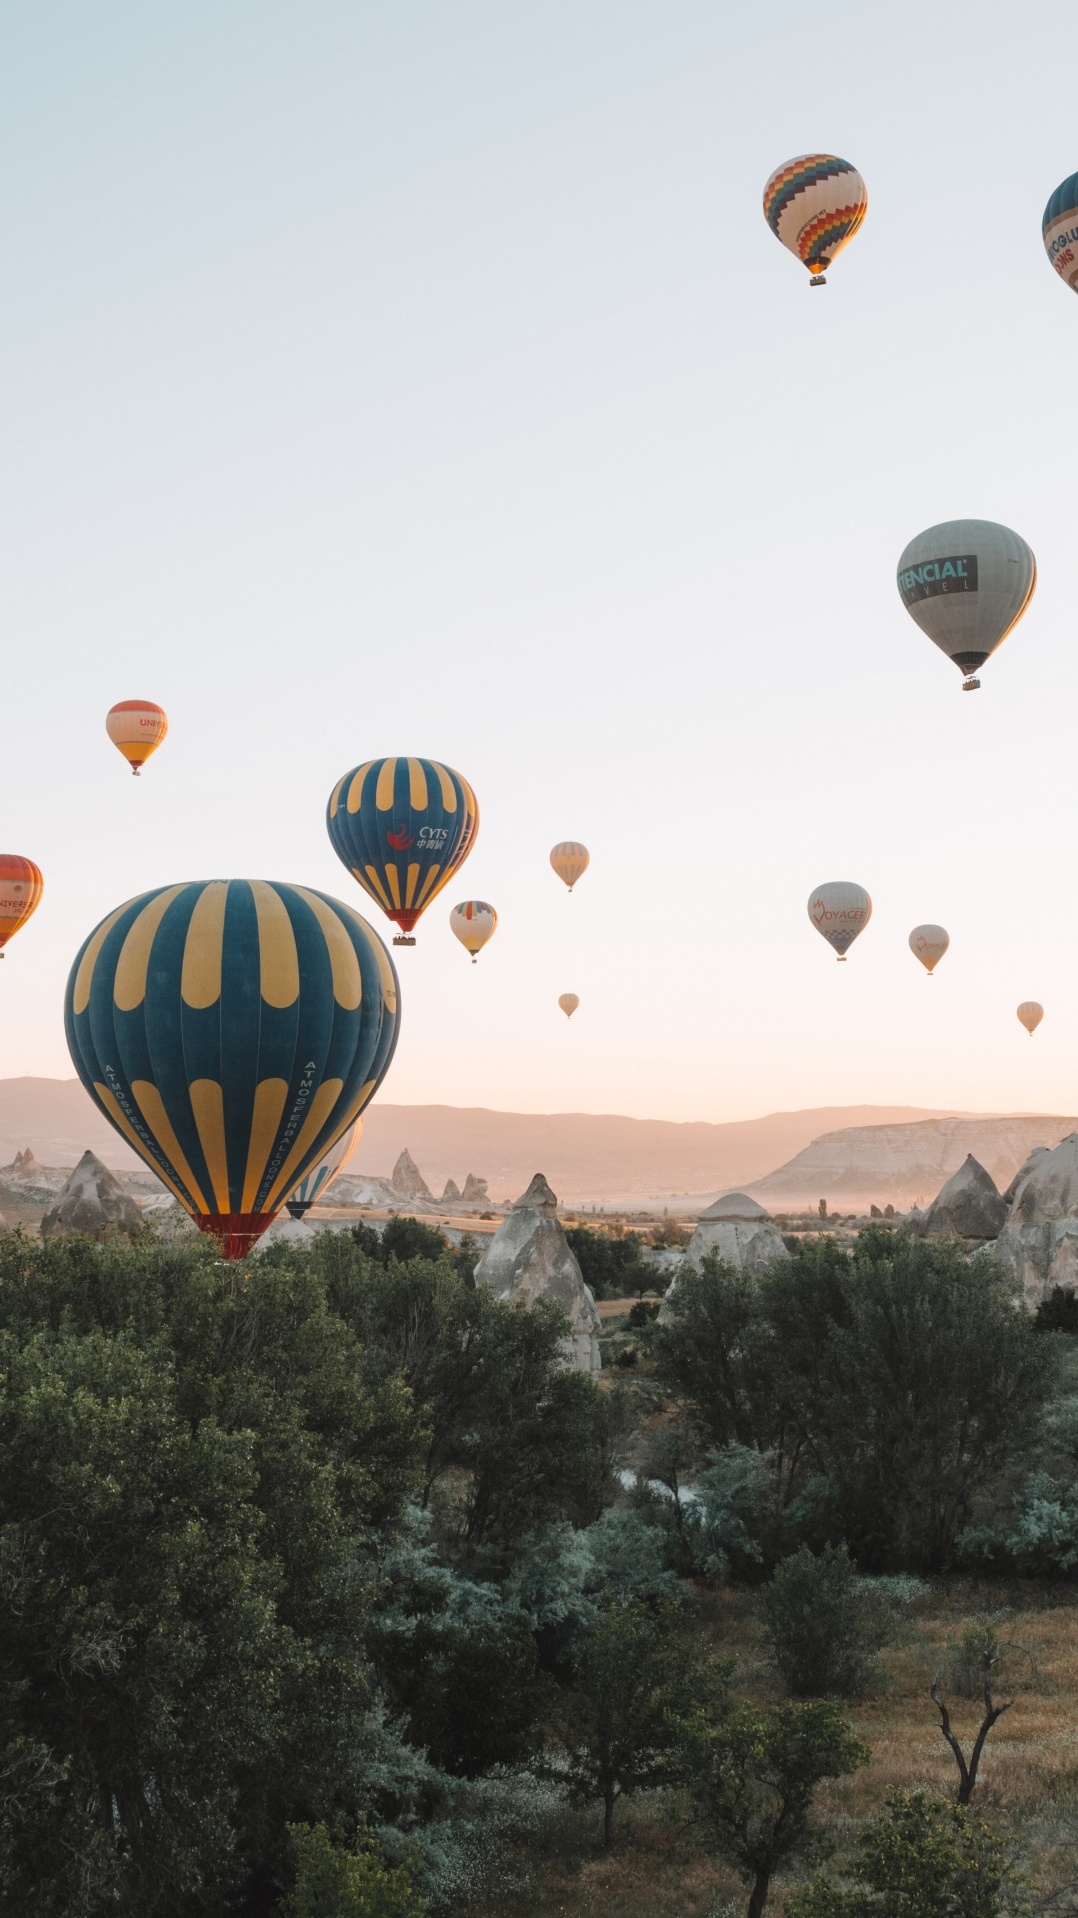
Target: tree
point(921, 1859)
point(331, 1883)
point(613, 1266)
point(992, 1658)
point(715, 1353)
point(755, 1778)
point(823, 1624)
point(621, 1726)
point(524, 1441)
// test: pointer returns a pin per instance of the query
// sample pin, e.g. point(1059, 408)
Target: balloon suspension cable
point(404, 939)
point(971, 685)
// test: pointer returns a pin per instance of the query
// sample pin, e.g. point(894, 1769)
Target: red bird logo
point(400, 840)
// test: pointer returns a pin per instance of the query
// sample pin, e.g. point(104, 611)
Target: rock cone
point(1023, 1173)
point(475, 1191)
point(969, 1206)
point(1038, 1246)
point(740, 1231)
point(93, 1201)
point(408, 1181)
point(451, 1195)
point(530, 1258)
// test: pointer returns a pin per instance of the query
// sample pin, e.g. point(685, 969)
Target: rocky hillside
point(903, 1165)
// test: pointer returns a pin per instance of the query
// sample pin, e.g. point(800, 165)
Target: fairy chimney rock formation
point(1023, 1173)
point(475, 1191)
point(1038, 1245)
point(408, 1181)
point(740, 1231)
point(969, 1206)
point(93, 1201)
point(451, 1195)
point(530, 1258)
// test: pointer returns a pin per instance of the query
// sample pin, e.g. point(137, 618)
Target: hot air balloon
point(570, 861)
point(928, 944)
point(231, 1030)
point(967, 583)
point(136, 728)
point(840, 911)
point(814, 204)
point(568, 1001)
point(473, 922)
point(1059, 229)
point(21, 886)
point(316, 1183)
point(1030, 1015)
point(403, 827)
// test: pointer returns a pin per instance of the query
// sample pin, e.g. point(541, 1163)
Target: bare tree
point(993, 1709)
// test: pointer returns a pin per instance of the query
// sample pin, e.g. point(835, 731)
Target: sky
point(424, 378)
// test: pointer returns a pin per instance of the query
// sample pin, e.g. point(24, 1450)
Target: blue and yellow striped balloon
point(231, 1030)
point(403, 827)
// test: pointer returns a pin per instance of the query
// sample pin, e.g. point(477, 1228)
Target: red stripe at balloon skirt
point(235, 1232)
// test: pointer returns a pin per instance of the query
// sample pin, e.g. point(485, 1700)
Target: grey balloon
point(967, 582)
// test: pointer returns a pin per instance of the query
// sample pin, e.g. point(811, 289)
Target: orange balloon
point(136, 728)
point(21, 886)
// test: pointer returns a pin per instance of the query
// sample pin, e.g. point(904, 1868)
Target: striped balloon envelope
point(21, 887)
point(1059, 230)
point(316, 1183)
point(402, 827)
point(814, 205)
point(473, 922)
point(231, 1030)
point(136, 728)
point(570, 861)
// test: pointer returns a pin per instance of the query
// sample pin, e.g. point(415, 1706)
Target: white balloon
point(568, 1001)
point(321, 1176)
point(967, 582)
point(928, 944)
point(1030, 1014)
point(840, 911)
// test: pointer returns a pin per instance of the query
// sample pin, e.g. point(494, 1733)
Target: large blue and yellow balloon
point(231, 1030)
point(402, 827)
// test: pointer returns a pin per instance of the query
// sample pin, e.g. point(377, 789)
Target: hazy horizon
point(428, 379)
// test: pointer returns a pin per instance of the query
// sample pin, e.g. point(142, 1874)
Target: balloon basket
point(404, 939)
point(971, 685)
point(818, 280)
point(842, 958)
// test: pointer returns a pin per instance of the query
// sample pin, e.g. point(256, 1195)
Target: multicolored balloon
point(402, 827)
point(928, 944)
point(473, 922)
point(231, 1030)
point(814, 205)
point(570, 861)
point(840, 911)
point(568, 1001)
point(136, 728)
point(1030, 1015)
point(967, 583)
point(21, 887)
point(315, 1184)
point(1059, 230)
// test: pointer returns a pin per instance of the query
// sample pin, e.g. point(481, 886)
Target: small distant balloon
point(473, 922)
point(136, 728)
point(21, 886)
point(928, 944)
point(568, 1001)
point(1059, 229)
point(967, 583)
point(570, 861)
point(840, 911)
point(814, 205)
point(1030, 1014)
point(316, 1183)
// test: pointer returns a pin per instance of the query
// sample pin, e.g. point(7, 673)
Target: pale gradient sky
point(423, 377)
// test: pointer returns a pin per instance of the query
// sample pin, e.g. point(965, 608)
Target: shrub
point(1058, 1312)
point(921, 1859)
point(823, 1624)
point(346, 1884)
point(644, 1311)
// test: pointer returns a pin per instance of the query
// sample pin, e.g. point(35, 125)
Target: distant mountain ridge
point(587, 1157)
point(902, 1165)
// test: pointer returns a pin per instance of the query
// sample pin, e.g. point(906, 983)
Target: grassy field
point(1029, 1776)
